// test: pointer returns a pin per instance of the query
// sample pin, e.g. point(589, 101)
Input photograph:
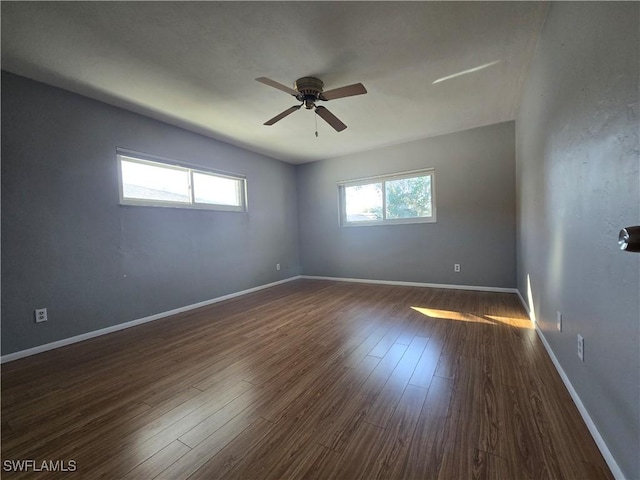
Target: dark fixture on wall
point(629, 239)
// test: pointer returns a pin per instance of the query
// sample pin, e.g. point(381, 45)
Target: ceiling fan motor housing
point(309, 89)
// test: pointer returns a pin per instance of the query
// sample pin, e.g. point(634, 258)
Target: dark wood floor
point(309, 379)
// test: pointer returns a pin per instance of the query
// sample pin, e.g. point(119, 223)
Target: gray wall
point(578, 183)
point(475, 197)
point(67, 245)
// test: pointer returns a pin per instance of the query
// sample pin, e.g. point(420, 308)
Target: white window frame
point(143, 158)
point(382, 179)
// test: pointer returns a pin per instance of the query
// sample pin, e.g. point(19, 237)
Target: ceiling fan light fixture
point(308, 90)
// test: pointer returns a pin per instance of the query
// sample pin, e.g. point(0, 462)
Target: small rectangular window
point(216, 190)
point(363, 203)
point(407, 197)
point(157, 183)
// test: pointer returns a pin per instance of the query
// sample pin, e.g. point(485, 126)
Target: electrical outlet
point(559, 322)
point(581, 347)
point(456, 267)
point(41, 315)
point(277, 266)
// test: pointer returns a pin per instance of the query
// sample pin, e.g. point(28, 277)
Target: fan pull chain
point(316, 116)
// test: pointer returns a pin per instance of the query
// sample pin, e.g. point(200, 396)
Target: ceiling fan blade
point(348, 91)
point(279, 117)
point(331, 119)
point(279, 86)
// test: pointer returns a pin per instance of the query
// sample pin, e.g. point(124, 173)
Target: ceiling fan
point(309, 90)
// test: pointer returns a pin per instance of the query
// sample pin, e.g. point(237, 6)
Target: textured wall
point(67, 245)
point(475, 197)
point(578, 183)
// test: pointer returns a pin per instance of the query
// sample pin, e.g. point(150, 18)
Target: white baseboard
point(602, 446)
point(413, 284)
point(96, 333)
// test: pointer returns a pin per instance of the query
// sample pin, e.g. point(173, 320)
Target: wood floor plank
point(486, 466)
point(220, 464)
point(159, 462)
point(522, 446)
point(113, 464)
point(300, 427)
point(337, 434)
point(208, 448)
point(152, 431)
point(384, 406)
point(310, 464)
point(474, 423)
point(385, 343)
point(305, 384)
point(451, 349)
point(427, 364)
point(310, 379)
point(400, 429)
point(425, 450)
point(206, 423)
point(361, 455)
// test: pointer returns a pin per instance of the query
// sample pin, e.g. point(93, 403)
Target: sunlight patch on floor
point(452, 315)
point(470, 317)
point(514, 322)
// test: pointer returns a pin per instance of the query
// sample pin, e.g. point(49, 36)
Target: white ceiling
point(193, 64)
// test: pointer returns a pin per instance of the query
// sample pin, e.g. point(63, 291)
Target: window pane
point(409, 197)
point(364, 202)
point(154, 182)
point(216, 190)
